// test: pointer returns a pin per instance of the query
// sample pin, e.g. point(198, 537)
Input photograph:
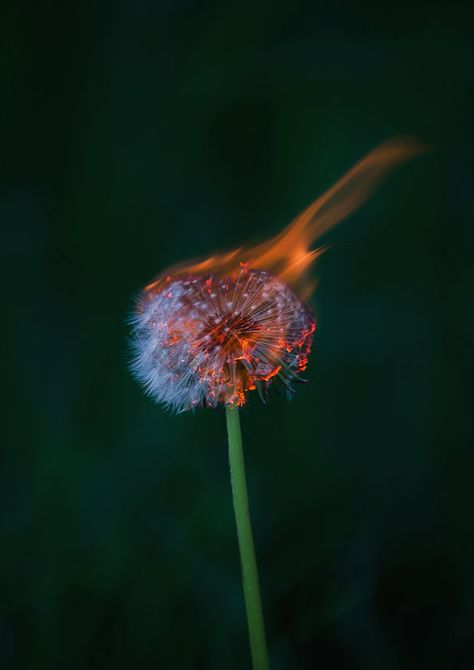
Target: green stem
point(250, 581)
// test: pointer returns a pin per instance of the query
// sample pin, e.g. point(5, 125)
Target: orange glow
point(212, 330)
point(289, 254)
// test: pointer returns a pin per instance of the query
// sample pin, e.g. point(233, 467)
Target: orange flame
point(288, 255)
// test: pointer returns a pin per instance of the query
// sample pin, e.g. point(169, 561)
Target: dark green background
point(137, 134)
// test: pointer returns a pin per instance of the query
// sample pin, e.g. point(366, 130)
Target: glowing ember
point(207, 332)
point(204, 340)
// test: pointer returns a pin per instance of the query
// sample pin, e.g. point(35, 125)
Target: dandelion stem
point(250, 581)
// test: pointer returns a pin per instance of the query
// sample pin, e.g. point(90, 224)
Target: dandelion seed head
point(207, 332)
point(205, 340)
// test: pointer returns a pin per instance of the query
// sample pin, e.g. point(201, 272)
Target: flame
point(289, 254)
point(208, 332)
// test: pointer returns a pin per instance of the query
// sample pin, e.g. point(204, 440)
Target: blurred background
point(138, 134)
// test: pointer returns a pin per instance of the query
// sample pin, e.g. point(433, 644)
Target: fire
point(207, 332)
point(289, 255)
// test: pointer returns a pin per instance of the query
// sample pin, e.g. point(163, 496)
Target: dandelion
point(204, 340)
point(208, 333)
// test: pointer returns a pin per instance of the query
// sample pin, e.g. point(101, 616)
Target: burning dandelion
point(207, 333)
point(204, 340)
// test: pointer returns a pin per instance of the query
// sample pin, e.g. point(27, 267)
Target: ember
point(205, 340)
